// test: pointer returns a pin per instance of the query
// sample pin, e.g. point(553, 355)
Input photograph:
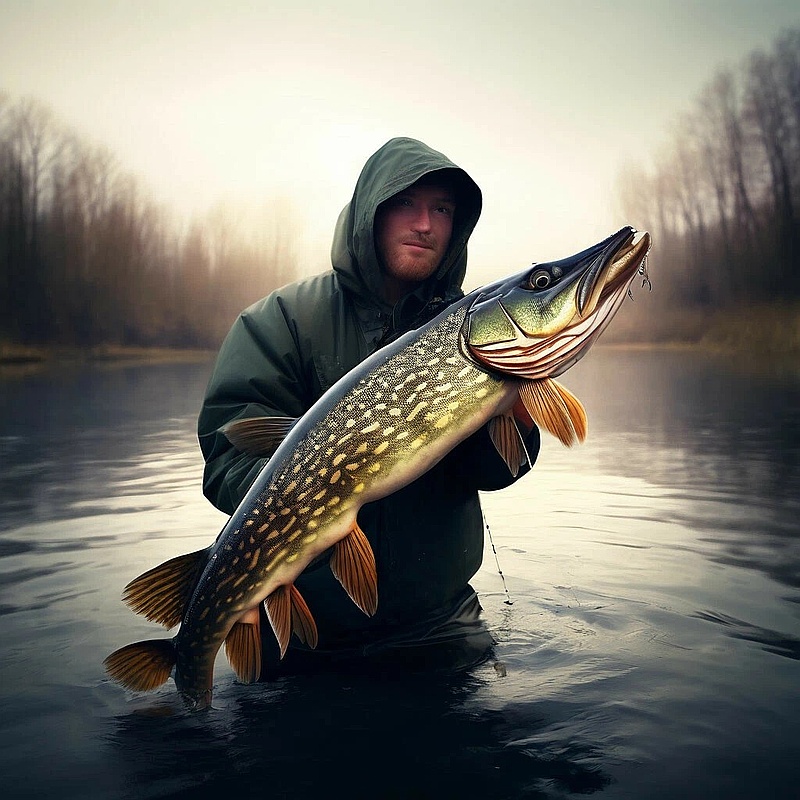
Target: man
point(399, 257)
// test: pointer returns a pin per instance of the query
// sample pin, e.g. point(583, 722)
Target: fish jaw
point(540, 322)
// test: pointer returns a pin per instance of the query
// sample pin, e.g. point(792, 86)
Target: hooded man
point(399, 258)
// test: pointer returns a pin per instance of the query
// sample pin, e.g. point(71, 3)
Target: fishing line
point(508, 601)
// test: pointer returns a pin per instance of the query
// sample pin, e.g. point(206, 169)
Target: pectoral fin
point(287, 611)
point(243, 647)
point(161, 594)
point(258, 436)
point(507, 439)
point(555, 409)
point(353, 564)
point(576, 411)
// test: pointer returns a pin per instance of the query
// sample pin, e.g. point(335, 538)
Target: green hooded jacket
point(286, 350)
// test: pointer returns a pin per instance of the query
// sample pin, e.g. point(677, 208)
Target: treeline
point(722, 198)
point(88, 258)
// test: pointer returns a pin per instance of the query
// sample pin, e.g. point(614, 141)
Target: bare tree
point(726, 96)
point(722, 197)
point(87, 257)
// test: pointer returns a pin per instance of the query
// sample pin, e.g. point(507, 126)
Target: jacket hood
point(393, 168)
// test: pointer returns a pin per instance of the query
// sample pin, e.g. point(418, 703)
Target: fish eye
point(540, 279)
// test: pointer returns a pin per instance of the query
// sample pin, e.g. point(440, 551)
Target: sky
point(267, 104)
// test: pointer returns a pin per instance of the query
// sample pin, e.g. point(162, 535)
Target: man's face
point(412, 231)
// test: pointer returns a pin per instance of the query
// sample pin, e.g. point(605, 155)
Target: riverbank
point(759, 331)
point(765, 329)
point(23, 355)
point(768, 330)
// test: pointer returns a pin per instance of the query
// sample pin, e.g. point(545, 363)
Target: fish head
point(538, 323)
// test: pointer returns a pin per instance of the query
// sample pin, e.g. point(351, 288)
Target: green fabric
point(398, 164)
point(283, 352)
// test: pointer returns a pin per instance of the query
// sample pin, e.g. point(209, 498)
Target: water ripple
point(781, 644)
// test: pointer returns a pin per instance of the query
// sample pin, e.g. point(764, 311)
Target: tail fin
point(142, 666)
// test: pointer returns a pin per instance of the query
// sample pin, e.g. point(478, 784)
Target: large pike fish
point(489, 358)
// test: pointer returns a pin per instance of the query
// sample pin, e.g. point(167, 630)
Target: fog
point(237, 102)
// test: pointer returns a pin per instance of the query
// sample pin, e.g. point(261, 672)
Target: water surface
point(651, 647)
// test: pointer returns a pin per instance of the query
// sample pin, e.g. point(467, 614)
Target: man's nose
point(422, 220)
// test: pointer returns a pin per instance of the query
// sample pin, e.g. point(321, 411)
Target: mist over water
point(651, 648)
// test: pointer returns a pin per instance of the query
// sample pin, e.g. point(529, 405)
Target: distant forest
point(88, 258)
point(722, 199)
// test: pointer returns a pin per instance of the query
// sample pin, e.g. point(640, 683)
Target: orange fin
point(575, 409)
point(162, 593)
point(555, 409)
point(243, 647)
point(303, 625)
point(353, 564)
point(287, 611)
point(142, 666)
point(258, 436)
point(507, 439)
point(279, 612)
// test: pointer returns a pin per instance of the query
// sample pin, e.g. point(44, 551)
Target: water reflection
point(73, 439)
point(727, 446)
point(393, 736)
point(693, 421)
point(652, 648)
point(772, 641)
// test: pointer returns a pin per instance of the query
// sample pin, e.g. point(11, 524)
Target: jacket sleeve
point(259, 371)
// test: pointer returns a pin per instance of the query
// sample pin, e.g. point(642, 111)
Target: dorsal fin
point(555, 409)
point(353, 564)
point(161, 594)
point(258, 436)
point(507, 439)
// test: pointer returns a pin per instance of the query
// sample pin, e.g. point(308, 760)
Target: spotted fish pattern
point(402, 412)
point(381, 426)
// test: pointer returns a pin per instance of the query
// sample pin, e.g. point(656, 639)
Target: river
point(648, 645)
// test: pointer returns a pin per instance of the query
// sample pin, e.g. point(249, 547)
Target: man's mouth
point(421, 245)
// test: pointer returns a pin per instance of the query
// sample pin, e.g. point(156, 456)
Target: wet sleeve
point(259, 371)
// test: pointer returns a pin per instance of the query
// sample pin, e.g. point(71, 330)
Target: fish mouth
point(541, 322)
point(610, 271)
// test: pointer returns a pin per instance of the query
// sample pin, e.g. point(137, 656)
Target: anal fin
point(303, 625)
point(287, 612)
point(243, 647)
point(353, 564)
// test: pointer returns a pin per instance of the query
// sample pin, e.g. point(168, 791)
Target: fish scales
point(396, 420)
point(396, 415)
point(491, 357)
